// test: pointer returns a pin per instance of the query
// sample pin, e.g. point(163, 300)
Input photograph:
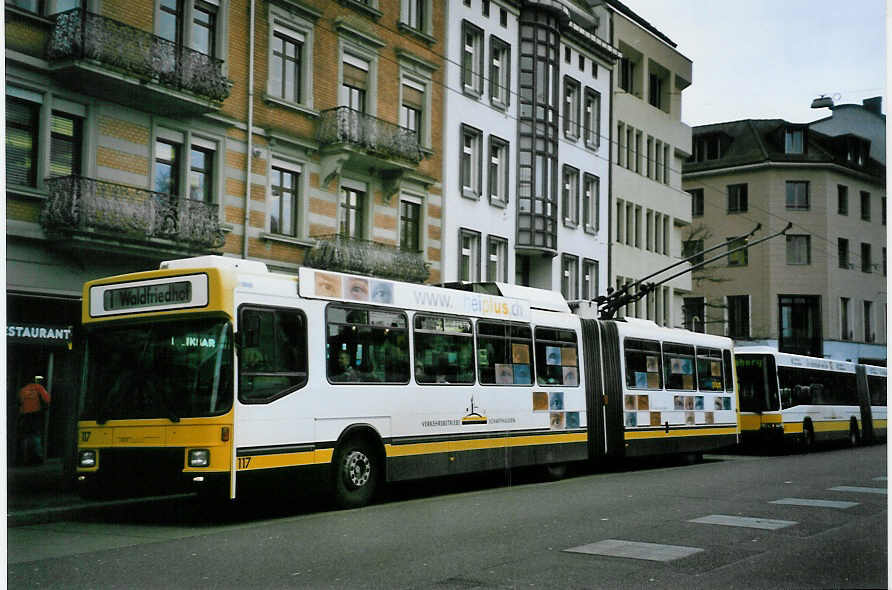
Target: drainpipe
point(250, 131)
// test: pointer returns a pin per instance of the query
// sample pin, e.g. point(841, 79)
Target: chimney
point(874, 105)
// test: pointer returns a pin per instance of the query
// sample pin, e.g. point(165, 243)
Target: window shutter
point(21, 121)
point(355, 77)
point(413, 98)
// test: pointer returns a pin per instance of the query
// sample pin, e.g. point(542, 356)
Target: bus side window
point(504, 353)
point(444, 349)
point(643, 364)
point(557, 360)
point(729, 372)
point(366, 345)
point(273, 361)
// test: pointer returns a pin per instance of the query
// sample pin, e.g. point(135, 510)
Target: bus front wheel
point(356, 474)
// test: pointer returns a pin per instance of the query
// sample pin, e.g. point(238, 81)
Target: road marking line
point(815, 503)
point(745, 521)
point(859, 489)
point(635, 550)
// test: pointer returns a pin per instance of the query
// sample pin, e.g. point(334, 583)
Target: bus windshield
point(174, 369)
point(758, 385)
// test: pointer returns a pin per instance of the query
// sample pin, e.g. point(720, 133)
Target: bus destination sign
point(151, 295)
point(164, 294)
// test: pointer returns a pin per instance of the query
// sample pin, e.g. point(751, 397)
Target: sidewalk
point(40, 493)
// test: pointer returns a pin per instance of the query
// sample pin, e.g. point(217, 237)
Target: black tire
point(356, 471)
point(854, 434)
point(808, 437)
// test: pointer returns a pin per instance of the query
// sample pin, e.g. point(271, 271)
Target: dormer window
point(794, 141)
point(707, 147)
point(857, 150)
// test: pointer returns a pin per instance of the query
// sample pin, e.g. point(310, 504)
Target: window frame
point(737, 259)
point(296, 171)
point(541, 380)
point(501, 262)
point(415, 344)
point(591, 203)
point(361, 210)
point(503, 170)
point(591, 118)
point(288, 25)
point(35, 110)
point(404, 222)
point(865, 205)
point(866, 258)
point(570, 276)
point(472, 71)
point(572, 108)
point(474, 159)
point(735, 322)
point(646, 347)
point(368, 309)
point(842, 199)
point(790, 239)
point(738, 198)
point(792, 205)
point(590, 279)
point(697, 202)
point(473, 256)
point(570, 196)
point(501, 81)
point(510, 327)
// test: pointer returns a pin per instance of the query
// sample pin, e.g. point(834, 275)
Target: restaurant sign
point(39, 334)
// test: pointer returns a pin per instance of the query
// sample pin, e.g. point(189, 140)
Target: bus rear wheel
point(356, 474)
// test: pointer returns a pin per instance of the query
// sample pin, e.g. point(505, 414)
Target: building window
point(842, 199)
point(869, 335)
point(865, 205)
point(571, 108)
point(739, 316)
point(691, 248)
point(696, 202)
point(472, 59)
point(414, 14)
point(866, 263)
point(798, 249)
point(503, 17)
point(412, 108)
point(469, 255)
point(694, 310)
point(883, 210)
point(737, 198)
point(656, 95)
point(201, 174)
point(498, 170)
point(485, 7)
point(204, 28)
point(620, 143)
point(627, 72)
point(570, 196)
point(739, 258)
point(797, 195)
point(845, 319)
point(842, 252)
point(794, 141)
point(21, 142)
point(499, 72)
point(170, 21)
point(591, 203)
point(591, 119)
point(707, 147)
point(496, 259)
point(352, 213)
point(355, 83)
point(66, 140)
point(589, 279)
point(410, 225)
point(569, 277)
point(167, 167)
point(799, 325)
point(470, 162)
point(283, 205)
point(619, 221)
point(658, 163)
point(666, 162)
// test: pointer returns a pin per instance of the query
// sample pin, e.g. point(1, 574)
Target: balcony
point(353, 139)
point(343, 254)
point(109, 59)
point(101, 215)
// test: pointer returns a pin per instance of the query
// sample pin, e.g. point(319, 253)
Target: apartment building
point(650, 211)
point(285, 131)
point(818, 290)
point(526, 167)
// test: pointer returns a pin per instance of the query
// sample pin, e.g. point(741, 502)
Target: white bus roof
point(213, 261)
point(537, 298)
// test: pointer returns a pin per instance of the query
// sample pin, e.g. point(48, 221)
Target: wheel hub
point(357, 469)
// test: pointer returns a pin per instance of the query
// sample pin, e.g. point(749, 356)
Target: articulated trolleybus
point(212, 371)
point(801, 399)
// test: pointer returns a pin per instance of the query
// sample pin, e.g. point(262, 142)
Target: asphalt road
point(504, 530)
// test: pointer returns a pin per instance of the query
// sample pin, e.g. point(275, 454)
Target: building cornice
point(782, 165)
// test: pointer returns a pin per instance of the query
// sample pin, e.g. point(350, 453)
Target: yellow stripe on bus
point(830, 425)
point(772, 419)
point(750, 422)
point(637, 435)
point(448, 446)
point(879, 423)
point(249, 463)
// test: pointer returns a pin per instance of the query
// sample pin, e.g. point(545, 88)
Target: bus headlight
point(86, 459)
point(199, 457)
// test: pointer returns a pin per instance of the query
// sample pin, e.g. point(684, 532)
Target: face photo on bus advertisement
point(356, 289)
point(382, 292)
point(328, 285)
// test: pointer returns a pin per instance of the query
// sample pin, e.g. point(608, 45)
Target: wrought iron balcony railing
point(84, 205)
point(78, 34)
point(343, 254)
point(343, 125)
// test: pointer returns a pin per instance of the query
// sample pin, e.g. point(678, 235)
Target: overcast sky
point(765, 59)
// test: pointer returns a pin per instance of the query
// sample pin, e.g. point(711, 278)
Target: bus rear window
point(444, 349)
point(557, 360)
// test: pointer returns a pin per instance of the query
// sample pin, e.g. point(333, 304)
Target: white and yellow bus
point(801, 399)
point(212, 371)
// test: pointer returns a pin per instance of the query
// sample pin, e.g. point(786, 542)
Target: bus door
point(863, 388)
point(608, 399)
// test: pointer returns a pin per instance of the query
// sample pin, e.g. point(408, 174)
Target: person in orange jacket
point(33, 400)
